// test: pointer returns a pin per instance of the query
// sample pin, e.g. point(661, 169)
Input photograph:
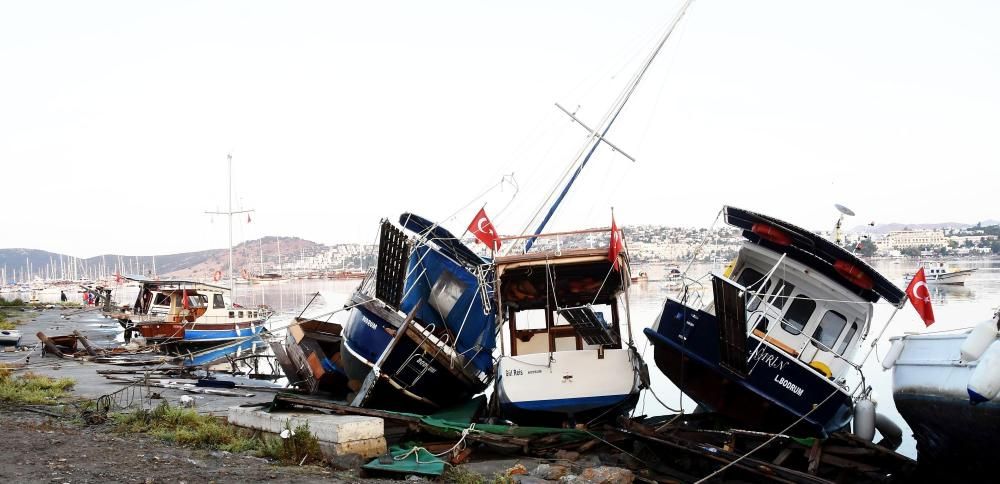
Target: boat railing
point(558, 241)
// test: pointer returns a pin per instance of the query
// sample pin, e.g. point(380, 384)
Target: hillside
point(200, 263)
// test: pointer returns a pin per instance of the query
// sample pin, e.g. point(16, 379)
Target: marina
point(456, 296)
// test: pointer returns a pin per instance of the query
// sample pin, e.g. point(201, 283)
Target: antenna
point(844, 211)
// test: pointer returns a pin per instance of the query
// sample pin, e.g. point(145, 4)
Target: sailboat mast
point(232, 285)
point(598, 134)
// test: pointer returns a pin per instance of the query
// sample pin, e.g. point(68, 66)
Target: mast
point(597, 135)
point(230, 213)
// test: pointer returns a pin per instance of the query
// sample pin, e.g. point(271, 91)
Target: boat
point(642, 278)
point(187, 312)
point(567, 361)
point(774, 346)
point(933, 376)
point(421, 329)
point(937, 272)
point(10, 337)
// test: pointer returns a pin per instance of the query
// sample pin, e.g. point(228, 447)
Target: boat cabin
point(812, 318)
point(561, 302)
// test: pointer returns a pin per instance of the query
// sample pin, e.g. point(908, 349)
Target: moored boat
point(188, 312)
point(774, 346)
point(936, 272)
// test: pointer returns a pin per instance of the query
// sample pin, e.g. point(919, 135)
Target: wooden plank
point(341, 408)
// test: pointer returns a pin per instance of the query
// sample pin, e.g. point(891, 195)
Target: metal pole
point(232, 285)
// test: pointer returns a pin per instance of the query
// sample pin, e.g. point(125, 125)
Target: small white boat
point(9, 337)
point(941, 273)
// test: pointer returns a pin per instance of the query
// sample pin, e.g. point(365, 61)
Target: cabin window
point(829, 329)
point(218, 302)
point(161, 300)
point(798, 314)
point(241, 315)
point(847, 339)
point(751, 279)
point(783, 293)
point(232, 314)
point(445, 294)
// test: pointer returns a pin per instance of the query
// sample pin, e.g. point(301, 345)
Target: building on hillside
point(911, 239)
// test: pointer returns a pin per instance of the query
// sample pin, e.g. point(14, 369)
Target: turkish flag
point(615, 246)
point(184, 296)
point(920, 297)
point(483, 229)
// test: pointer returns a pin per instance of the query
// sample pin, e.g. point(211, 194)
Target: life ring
point(217, 276)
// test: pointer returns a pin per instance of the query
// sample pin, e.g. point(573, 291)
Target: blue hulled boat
point(422, 328)
point(776, 343)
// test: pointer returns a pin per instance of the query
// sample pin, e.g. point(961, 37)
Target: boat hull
point(197, 333)
point(567, 386)
point(410, 378)
point(777, 391)
point(929, 386)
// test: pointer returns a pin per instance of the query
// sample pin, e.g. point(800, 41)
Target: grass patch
point(189, 428)
point(4, 324)
point(31, 389)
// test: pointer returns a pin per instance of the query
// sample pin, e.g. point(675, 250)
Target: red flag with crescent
point(920, 297)
point(483, 229)
point(615, 246)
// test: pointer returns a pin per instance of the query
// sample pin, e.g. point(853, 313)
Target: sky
point(116, 117)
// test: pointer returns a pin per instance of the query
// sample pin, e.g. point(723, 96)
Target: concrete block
point(341, 434)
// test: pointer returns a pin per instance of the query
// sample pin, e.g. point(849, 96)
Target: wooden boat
point(189, 312)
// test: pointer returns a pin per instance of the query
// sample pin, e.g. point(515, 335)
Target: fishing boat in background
point(188, 312)
point(946, 386)
point(568, 360)
point(421, 330)
point(775, 344)
point(940, 273)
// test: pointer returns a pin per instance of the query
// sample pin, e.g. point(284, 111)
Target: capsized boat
point(946, 386)
point(188, 312)
point(567, 360)
point(422, 327)
point(774, 345)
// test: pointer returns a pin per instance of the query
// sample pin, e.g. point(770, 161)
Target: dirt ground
point(37, 448)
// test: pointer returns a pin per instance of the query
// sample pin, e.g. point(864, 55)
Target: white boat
point(955, 428)
point(941, 273)
point(570, 362)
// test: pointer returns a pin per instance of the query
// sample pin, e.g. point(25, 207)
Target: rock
point(516, 469)
point(526, 479)
point(551, 472)
point(345, 462)
point(606, 475)
point(567, 455)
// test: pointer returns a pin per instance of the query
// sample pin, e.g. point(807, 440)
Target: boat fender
point(894, 351)
point(980, 338)
point(984, 384)
point(892, 435)
point(864, 419)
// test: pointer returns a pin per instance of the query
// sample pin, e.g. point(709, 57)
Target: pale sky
point(116, 117)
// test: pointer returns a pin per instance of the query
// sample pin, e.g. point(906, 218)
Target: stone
point(567, 455)
point(606, 475)
point(526, 479)
point(338, 435)
point(550, 472)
